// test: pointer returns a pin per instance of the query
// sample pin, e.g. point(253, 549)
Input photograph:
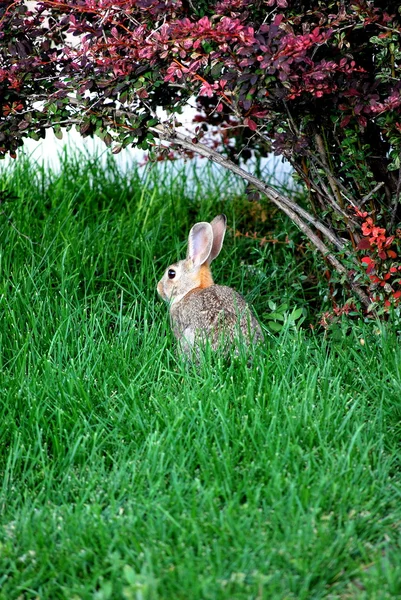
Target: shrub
point(316, 82)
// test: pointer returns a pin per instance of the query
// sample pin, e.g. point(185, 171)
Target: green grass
point(125, 473)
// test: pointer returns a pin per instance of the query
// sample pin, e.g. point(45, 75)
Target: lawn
point(126, 473)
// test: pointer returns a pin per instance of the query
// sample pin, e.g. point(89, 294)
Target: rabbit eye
point(171, 273)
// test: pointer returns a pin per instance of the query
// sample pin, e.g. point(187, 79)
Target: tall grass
point(126, 473)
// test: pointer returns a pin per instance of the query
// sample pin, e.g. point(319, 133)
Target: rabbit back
point(218, 315)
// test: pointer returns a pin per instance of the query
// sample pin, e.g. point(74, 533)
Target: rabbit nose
point(160, 289)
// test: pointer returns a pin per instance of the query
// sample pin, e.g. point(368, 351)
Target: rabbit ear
point(200, 241)
point(218, 225)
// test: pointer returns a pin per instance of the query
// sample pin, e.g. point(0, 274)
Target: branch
point(292, 210)
point(337, 182)
point(323, 157)
point(184, 141)
point(368, 196)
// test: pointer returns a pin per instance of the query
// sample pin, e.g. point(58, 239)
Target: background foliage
point(317, 82)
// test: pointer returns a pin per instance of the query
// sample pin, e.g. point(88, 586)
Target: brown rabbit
point(200, 310)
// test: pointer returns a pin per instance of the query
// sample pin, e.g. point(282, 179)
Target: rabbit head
point(193, 273)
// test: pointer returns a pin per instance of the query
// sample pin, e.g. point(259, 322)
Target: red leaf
point(389, 241)
point(359, 213)
point(251, 124)
point(363, 244)
point(397, 295)
point(367, 260)
point(382, 255)
point(392, 254)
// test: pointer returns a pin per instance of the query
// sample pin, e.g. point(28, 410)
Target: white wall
point(48, 151)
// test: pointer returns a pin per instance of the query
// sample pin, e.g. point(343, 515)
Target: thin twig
point(332, 201)
point(368, 196)
point(325, 162)
point(396, 199)
point(262, 241)
point(3, 213)
point(343, 189)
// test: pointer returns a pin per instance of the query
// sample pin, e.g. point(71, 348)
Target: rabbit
point(202, 312)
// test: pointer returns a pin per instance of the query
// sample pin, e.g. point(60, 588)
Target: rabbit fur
point(202, 312)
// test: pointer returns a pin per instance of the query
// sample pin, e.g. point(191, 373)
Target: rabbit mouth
point(160, 291)
point(168, 296)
